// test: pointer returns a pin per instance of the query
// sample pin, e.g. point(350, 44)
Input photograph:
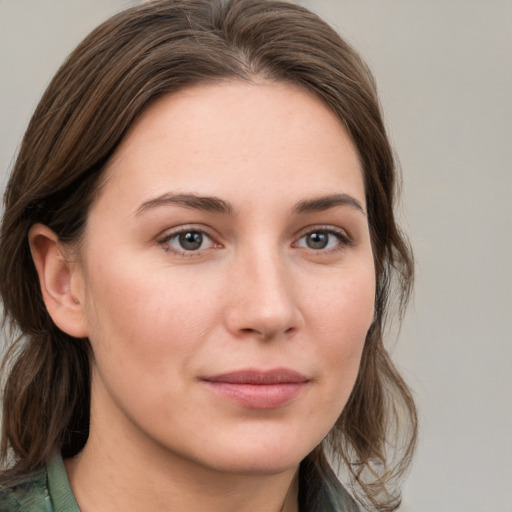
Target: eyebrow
point(217, 205)
point(207, 204)
point(327, 202)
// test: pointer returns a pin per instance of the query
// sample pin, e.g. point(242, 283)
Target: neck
point(109, 477)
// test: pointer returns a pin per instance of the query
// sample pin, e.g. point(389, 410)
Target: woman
point(197, 250)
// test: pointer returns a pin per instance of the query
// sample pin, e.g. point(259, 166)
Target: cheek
point(342, 320)
point(345, 305)
point(144, 336)
point(143, 321)
point(143, 295)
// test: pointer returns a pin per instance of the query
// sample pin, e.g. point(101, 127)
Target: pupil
point(317, 240)
point(191, 240)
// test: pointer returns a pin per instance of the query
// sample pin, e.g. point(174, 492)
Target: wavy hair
point(122, 67)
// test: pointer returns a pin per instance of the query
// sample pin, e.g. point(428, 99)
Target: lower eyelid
point(165, 240)
point(343, 238)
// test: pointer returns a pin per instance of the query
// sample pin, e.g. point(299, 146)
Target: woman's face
point(227, 278)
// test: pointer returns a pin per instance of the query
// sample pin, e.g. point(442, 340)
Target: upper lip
point(259, 377)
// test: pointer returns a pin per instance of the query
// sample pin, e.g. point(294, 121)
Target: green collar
point(58, 485)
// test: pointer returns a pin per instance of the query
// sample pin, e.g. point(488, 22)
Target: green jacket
point(48, 490)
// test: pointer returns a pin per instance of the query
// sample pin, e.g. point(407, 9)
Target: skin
point(255, 294)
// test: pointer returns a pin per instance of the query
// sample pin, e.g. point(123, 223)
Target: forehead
point(235, 136)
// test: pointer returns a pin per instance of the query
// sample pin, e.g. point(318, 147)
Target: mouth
point(256, 389)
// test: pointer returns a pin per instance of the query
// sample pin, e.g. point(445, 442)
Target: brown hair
point(115, 74)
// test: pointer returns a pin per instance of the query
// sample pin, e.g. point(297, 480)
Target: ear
point(61, 281)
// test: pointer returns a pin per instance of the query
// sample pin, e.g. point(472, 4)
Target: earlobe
point(58, 278)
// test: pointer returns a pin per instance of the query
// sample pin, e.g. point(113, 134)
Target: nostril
point(267, 334)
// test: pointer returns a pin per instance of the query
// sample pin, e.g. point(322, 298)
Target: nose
point(263, 301)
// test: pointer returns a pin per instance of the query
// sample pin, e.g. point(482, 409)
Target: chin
point(258, 465)
point(259, 456)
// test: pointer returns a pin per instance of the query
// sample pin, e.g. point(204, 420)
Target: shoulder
point(29, 495)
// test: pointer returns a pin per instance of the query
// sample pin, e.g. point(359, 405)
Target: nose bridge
point(264, 301)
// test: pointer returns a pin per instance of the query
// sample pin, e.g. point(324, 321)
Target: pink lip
point(258, 389)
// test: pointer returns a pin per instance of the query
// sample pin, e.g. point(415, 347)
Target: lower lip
point(259, 396)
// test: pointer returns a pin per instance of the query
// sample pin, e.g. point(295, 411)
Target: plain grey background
point(444, 69)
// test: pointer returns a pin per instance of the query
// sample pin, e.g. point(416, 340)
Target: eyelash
point(165, 241)
point(343, 240)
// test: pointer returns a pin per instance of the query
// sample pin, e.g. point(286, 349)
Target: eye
point(187, 240)
point(323, 239)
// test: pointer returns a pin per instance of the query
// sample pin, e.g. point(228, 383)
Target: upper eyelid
point(164, 241)
point(215, 236)
point(344, 240)
point(170, 232)
point(324, 227)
